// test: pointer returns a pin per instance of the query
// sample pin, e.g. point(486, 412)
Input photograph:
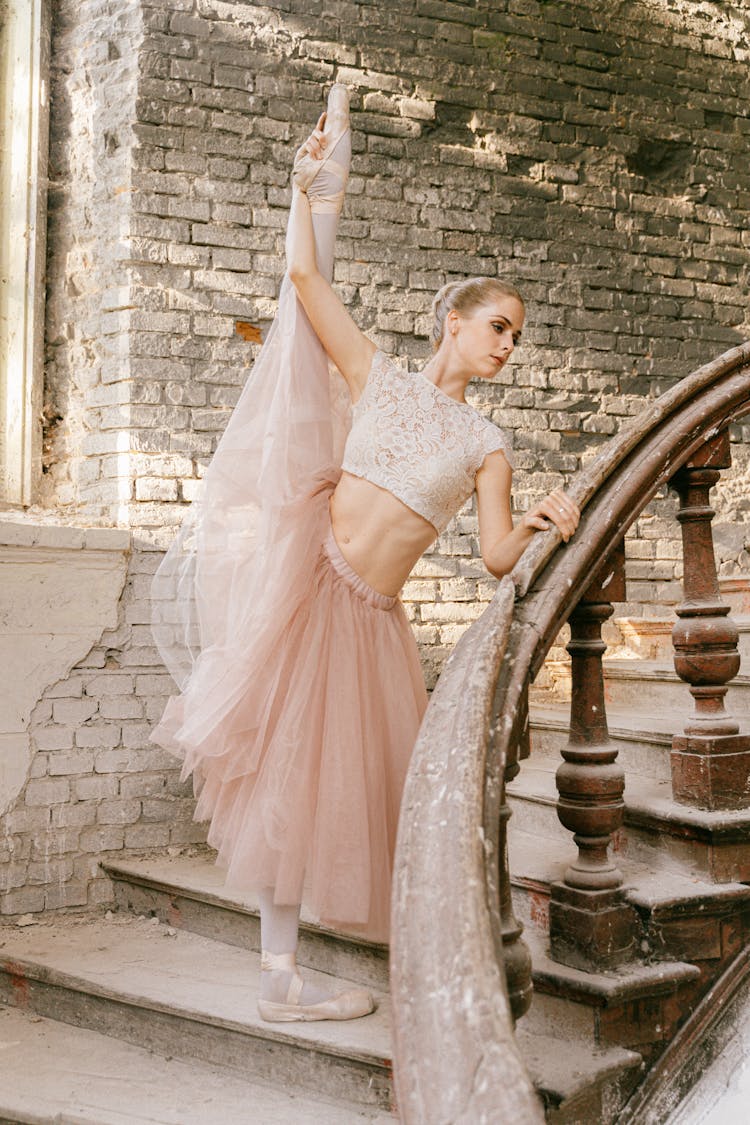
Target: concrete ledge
point(25, 533)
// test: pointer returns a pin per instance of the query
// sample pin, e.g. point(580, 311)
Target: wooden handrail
point(454, 1053)
point(454, 1042)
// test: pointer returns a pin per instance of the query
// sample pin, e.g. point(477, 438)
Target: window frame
point(24, 104)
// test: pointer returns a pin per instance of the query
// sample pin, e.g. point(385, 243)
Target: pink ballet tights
point(279, 928)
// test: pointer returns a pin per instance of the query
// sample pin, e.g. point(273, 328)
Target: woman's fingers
point(537, 522)
point(314, 145)
point(563, 512)
point(558, 508)
point(316, 142)
point(563, 501)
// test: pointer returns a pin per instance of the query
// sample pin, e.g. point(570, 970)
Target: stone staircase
point(147, 1013)
point(685, 869)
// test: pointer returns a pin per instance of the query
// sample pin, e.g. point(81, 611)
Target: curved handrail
point(455, 1058)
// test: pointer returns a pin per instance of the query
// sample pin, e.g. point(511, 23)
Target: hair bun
point(441, 306)
point(463, 296)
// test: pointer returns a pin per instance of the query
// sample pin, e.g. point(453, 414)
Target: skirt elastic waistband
point(357, 584)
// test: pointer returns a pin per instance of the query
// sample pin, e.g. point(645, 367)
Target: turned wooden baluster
point(591, 927)
point(711, 760)
point(516, 956)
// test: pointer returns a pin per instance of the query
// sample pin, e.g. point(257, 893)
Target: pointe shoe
point(306, 167)
point(348, 1005)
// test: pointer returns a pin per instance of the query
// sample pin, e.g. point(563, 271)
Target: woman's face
point(485, 337)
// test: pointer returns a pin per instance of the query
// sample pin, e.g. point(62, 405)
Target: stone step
point(606, 1008)
point(648, 686)
point(657, 833)
point(577, 1081)
point(54, 1073)
point(187, 892)
point(651, 637)
point(192, 998)
point(680, 917)
point(643, 742)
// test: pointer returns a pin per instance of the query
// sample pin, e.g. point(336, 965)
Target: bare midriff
point(378, 535)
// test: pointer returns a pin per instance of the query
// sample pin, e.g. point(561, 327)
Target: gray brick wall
point(594, 152)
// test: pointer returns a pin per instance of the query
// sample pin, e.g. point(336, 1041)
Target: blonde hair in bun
point(463, 296)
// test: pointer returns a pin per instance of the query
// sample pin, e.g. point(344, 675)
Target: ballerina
point(302, 691)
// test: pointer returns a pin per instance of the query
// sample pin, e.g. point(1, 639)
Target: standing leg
point(284, 995)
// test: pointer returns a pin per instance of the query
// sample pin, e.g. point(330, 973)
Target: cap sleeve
point(494, 439)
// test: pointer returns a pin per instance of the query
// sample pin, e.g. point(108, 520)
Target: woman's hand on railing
point(558, 508)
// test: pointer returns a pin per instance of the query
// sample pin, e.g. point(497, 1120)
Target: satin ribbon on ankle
point(285, 963)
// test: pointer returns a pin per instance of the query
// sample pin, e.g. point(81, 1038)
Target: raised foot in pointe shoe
point(307, 167)
point(347, 1005)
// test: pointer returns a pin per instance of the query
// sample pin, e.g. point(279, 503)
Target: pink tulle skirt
point(307, 799)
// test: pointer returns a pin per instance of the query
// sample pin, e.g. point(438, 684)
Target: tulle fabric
point(300, 700)
point(330, 720)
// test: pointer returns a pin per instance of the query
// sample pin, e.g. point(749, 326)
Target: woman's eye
point(504, 328)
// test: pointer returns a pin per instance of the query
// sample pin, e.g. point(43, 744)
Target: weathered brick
point(47, 791)
point(23, 900)
point(53, 738)
point(97, 735)
point(91, 788)
point(74, 763)
point(70, 893)
point(55, 869)
point(74, 815)
point(147, 836)
point(104, 839)
point(118, 811)
point(74, 711)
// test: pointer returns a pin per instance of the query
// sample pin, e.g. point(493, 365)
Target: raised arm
point(344, 342)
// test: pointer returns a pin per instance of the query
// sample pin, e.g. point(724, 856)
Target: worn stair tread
point(199, 877)
point(188, 872)
point(622, 723)
point(648, 888)
point(646, 799)
point(741, 620)
point(609, 987)
point(637, 668)
point(187, 890)
point(563, 1068)
point(532, 863)
point(53, 1072)
point(150, 965)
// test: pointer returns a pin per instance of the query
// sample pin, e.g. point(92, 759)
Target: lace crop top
point(417, 442)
